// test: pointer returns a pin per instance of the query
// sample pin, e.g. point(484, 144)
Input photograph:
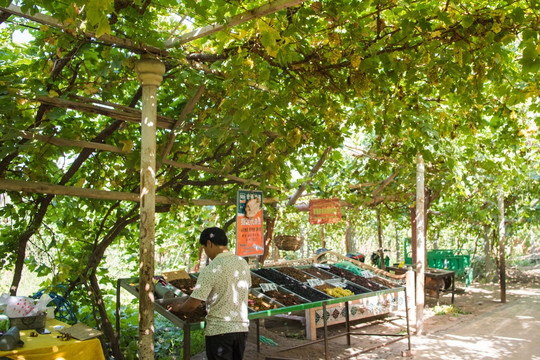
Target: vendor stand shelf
point(186, 327)
point(318, 313)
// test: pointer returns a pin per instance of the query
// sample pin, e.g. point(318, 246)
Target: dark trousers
point(229, 346)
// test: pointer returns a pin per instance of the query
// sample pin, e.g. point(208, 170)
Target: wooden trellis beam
point(106, 147)
point(261, 11)
point(73, 143)
point(131, 115)
point(105, 38)
point(216, 171)
point(45, 188)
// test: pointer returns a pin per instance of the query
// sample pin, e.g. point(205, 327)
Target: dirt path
point(509, 331)
point(483, 328)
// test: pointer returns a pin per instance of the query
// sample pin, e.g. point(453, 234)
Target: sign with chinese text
point(315, 282)
point(324, 211)
point(265, 287)
point(249, 223)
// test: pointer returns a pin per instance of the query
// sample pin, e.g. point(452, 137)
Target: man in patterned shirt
point(224, 285)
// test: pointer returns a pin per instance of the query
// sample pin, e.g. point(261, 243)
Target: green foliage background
point(378, 82)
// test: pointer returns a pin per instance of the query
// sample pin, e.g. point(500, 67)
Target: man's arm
point(189, 305)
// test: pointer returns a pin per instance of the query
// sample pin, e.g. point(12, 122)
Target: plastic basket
point(29, 322)
point(288, 242)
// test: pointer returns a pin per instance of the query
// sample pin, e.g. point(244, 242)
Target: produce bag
point(19, 306)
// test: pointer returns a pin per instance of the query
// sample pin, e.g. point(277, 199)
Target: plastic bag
point(41, 305)
point(19, 306)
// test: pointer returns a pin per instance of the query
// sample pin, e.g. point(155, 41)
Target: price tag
point(322, 266)
point(336, 283)
point(315, 282)
point(367, 274)
point(268, 287)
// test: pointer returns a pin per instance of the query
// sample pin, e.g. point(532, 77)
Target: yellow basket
point(288, 242)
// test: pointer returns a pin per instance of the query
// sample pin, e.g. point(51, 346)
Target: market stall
point(325, 294)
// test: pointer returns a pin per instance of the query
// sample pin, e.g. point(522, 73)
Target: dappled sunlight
point(467, 347)
point(524, 317)
point(233, 290)
point(507, 331)
point(235, 294)
point(525, 292)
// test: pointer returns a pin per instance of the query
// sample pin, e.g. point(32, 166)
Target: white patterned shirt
point(224, 285)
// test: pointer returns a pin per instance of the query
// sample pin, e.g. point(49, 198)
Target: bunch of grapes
point(497, 27)
point(360, 82)
point(339, 292)
point(433, 75)
point(334, 56)
point(458, 55)
point(356, 59)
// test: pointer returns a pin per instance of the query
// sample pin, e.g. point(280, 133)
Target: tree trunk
point(533, 250)
point(106, 325)
point(270, 224)
point(42, 205)
point(44, 202)
point(488, 261)
point(348, 238)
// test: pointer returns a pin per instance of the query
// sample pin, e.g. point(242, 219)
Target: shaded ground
point(482, 328)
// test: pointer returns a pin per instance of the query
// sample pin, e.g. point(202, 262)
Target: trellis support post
point(150, 72)
point(420, 244)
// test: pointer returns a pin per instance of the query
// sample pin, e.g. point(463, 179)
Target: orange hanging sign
point(324, 211)
point(249, 223)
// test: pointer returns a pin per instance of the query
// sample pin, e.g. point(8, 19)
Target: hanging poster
point(249, 223)
point(324, 211)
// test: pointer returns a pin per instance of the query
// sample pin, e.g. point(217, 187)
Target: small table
point(435, 280)
point(50, 347)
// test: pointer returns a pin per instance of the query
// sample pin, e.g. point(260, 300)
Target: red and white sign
point(249, 223)
point(324, 211)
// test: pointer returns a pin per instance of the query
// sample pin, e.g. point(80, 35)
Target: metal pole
point(347, 323)
point(150, 71)
point(407, 317)
point(258, 335)
point(187, 342)
point(325, 330)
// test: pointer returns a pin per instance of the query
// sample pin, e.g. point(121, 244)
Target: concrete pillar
point(150, 71)
point(420, 244)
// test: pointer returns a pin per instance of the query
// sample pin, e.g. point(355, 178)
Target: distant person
point(224, 285)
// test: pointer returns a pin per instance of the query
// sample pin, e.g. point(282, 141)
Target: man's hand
point(182, 304)
point(173, 304)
